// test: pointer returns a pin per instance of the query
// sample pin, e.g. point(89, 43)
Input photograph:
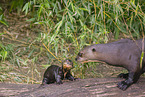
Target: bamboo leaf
point(26, 8)
point(84, 9)
point(141, 59)
point(71, 18)
point(2, 20)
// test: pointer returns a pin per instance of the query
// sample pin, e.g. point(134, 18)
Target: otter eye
point(80, 54)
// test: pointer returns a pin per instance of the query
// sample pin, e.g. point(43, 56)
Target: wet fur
point(56, 74)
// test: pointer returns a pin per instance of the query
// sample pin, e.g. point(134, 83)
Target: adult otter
point(124, 53)
point(55, 73)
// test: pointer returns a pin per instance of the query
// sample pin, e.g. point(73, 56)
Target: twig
point(51, 53)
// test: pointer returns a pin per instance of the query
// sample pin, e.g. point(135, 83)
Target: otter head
point(88, 54)
point(67, 65)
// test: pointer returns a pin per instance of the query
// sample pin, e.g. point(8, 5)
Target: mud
point(93, 87)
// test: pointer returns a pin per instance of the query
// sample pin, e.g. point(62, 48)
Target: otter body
point(123, 53)
point(56, 74)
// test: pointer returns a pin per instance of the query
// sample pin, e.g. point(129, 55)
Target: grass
point(64, 27)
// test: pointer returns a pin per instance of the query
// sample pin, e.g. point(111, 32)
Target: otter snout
point(79, 59)
point(78, 56)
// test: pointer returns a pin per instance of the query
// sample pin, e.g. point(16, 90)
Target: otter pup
point(55, 73)
point(124, 53)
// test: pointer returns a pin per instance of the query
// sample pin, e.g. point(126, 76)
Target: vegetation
point(63, 27)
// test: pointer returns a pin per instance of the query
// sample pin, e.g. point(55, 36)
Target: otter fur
point(123, 53)
point(56, 74)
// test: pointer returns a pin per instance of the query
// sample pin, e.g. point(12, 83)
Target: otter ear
point(93, 49)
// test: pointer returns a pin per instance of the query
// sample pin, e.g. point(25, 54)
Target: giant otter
point(124, 53)
point(56, 74)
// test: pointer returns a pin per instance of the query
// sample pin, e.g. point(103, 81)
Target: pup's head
point(67, 64)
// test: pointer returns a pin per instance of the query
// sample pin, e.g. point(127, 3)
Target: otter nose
point(76, 59)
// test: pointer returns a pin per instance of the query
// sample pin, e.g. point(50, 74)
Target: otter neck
point(104, 53)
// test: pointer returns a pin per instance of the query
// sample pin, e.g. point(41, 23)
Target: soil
point(94, 87)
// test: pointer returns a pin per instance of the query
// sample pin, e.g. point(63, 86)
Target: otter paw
point(42, 86)
point(77, 79)
point(60, 82)
point(122, 85)
point(122, 75)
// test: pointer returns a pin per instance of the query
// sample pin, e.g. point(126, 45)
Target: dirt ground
point(94, 87)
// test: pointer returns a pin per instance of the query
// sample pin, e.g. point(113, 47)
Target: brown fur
point(124, 53)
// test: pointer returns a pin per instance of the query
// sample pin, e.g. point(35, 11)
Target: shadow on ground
point(81, 88)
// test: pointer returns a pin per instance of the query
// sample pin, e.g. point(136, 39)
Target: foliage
point(89, 18)
point(2, 18)
point(3, 52)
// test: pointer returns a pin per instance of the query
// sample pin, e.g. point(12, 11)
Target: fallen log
point(80, 88)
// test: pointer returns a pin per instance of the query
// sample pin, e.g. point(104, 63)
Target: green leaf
point(71, 18)
point(26, 8)
point(141, 59)
point(2, 20)
point(84, 9)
